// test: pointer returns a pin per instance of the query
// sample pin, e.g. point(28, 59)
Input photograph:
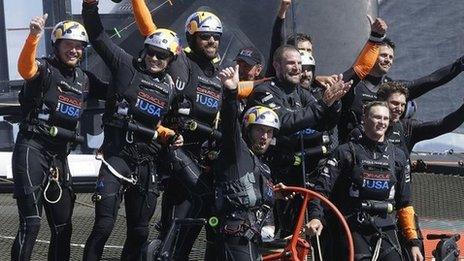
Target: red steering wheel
point(298, 248)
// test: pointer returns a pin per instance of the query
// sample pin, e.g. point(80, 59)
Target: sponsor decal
point(269, 190)
point(376, 180)
point(149, 104)
point(180, 85)
point(208, 98)
point(69, 106)
point(306, 132)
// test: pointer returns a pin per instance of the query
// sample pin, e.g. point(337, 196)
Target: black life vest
point(250, 191)
point(148, 99)
point(200, 97)
point(54, 99)
point(374, 178)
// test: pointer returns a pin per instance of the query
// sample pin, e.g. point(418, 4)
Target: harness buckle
point(130, 137)
point(54, 173)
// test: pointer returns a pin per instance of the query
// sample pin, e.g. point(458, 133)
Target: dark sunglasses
point(307, 67)
point(158, 54)
point(207, 36)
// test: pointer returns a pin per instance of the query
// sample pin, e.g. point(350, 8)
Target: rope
point(54, 176)
point(77, 201)
point(318, 242)
point(375, 256)
point(118, 175)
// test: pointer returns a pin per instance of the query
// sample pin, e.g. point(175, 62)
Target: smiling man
point(366, 179)
point(366, 90)
point(407, 132)
point(53, 97)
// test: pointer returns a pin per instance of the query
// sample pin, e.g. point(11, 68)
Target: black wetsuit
point(188, 190)
point(366, 91)
point(243, 190)
point(407, 132)
point(298, 110)
point(137, 102)
point(365, 171)
point(55, 97)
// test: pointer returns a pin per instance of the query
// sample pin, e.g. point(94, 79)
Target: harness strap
point(118, 175)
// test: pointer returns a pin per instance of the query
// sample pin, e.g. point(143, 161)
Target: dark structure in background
point(3, 54)
point(57, 11)
point(429, 35)
point(339, 28)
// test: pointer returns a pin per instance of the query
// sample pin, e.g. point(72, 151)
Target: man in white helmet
point(140, 97)
point(52, 100)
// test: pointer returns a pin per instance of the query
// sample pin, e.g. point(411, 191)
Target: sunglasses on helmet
point(307, 67)
point(207, 36)
point(159, 54)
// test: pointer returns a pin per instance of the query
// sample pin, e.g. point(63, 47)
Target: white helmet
point(202, 21)
point(70, 30)
point(261, 115)
point(164, 39)
point(307, 58)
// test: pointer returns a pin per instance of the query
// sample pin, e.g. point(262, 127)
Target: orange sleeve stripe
point(407, 222)
point(244, 89)
point(366, 59)
point(143, 18)
point(164, 134)
point(27, 66)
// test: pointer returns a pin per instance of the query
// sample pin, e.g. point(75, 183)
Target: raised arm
point(428, 130)
point(231, 128)
point(27, 65)
point(278, 35)
point(439, 77)
point(143, 18)
point(112, 55)
point(367, 57)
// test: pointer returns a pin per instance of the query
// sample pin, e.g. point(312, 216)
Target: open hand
point(229, 77)
point(336, 91)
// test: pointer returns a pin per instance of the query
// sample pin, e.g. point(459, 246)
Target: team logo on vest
point(180, 85)
point(306, 132)
point(69, 106)
point(376, 180)
point(149, 104)
point(208, 98)
point(269, 191)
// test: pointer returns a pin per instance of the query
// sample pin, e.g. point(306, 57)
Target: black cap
point(250, 55)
